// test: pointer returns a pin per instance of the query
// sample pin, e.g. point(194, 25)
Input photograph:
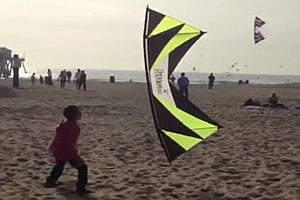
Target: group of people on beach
point(80, 79)
point(64, 77)
point(47, 79)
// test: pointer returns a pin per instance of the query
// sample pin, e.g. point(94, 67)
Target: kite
point(258, 36)
point(194, 68)
point(233, 65)
point(281, 67)
point(179, 123)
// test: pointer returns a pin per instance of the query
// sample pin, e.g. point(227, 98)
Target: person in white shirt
point(77, 78)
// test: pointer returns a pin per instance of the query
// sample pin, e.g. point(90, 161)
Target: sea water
point(194, 77)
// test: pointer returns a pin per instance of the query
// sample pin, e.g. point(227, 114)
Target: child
point(64, 149)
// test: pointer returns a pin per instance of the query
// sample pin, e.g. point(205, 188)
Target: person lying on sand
point(63, 148)
point(273, 102)
point(251, 102)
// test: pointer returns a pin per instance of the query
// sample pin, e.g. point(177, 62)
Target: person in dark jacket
point(49, 78)
point(183, 83)
point(41, 79)
point(82, 80)
point(211, 81)
point(16, 65)
point(63, 78)
point(32, 78)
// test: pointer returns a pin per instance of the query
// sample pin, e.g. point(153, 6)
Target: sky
point(98, 34)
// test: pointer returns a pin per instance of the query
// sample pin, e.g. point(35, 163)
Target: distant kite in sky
point(233, 65)
point(194, 68)
point(258, 36)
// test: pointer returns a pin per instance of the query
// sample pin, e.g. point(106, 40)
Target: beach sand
point(256, 156)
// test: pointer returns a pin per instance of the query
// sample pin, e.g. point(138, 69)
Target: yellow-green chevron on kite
point(180, 124)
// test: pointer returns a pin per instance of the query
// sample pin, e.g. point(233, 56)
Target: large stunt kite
point(180, 124)
point(258, 36)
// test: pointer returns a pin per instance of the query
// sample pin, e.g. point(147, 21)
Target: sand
point(256, 156)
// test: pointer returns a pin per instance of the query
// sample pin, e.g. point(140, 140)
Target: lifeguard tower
point(6, 62)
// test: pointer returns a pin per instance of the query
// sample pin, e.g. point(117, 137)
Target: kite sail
point(258, 36)
point(179, 123)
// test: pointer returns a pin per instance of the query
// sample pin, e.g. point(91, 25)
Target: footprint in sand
point(21, 159)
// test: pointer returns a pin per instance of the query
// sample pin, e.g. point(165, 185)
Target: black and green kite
point(179, 123)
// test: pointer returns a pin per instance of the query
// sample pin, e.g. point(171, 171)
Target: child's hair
point(71, 112)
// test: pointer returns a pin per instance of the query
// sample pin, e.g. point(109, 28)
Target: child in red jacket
point(63, 148)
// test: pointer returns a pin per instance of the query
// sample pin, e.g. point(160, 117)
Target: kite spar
point(179, 123)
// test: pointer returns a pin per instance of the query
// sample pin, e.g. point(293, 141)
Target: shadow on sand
point(70, 194)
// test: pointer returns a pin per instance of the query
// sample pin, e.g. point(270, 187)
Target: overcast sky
point(98, 34)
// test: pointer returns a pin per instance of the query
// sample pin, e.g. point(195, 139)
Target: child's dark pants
point(78, 164)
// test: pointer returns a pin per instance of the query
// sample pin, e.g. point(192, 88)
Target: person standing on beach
point(63, 148)
point(211, 81)
point(63, 78)
point(33, 79)
point(41, 79)
point(183, 83)
point(49, 73)
point(82, 81)
point(69, 75)
point(77, 78)
point(16, 64)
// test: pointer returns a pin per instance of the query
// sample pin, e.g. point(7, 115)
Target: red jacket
point(64, 143)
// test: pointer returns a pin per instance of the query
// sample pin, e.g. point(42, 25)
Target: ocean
point(194, 77)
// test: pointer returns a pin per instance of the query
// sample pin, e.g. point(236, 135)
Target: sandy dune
point(256, 156)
